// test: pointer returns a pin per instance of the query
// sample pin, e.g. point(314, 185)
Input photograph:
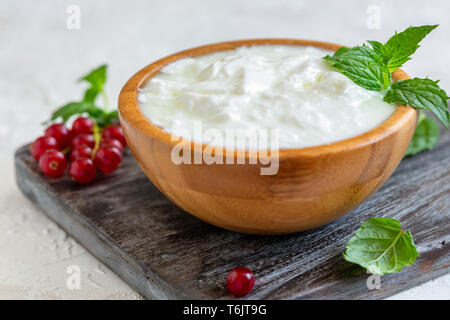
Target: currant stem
point(97, 138)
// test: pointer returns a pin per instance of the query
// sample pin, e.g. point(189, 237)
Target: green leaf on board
point(381, 246)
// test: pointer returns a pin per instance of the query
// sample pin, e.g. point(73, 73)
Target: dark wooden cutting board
point(163, 252)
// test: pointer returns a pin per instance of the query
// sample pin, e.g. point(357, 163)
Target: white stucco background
point(40, 59)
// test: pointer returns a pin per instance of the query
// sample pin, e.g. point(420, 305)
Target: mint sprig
point(371, 68)
point(381, 246)
point(87, 105)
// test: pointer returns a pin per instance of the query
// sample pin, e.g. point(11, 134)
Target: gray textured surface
point(41, 59)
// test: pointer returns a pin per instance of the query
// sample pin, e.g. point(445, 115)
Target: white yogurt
point(289, 88)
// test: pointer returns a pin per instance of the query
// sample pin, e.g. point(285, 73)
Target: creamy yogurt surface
point(289, 88)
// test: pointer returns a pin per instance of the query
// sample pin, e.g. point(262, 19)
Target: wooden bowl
point(314, 185)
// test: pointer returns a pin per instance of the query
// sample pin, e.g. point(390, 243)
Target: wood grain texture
point(313, 186)
point(165, 253)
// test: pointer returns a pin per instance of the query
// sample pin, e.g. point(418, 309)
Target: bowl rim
point(129, 110)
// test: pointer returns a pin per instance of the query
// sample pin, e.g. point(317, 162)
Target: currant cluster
point(79, 146)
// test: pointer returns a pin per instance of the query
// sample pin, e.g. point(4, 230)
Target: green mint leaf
point(103, 118)
point(74, 108)
point(425, 136)
point(401, 46)
point(362, 65)
point(420, 94)
point(112, 116)
point(90, 95)
point(96, 78)
point(66, 111)
point(381, 246)
point(378, 47)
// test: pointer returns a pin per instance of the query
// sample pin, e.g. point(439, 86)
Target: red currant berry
point(81, 152)
point(53, 163)
point(41, 144)
point(111, 143)
point(107, 159)
point(114, 132)
point(83, 125)
point(83, 140)
point(240, 281)
point(83, 170)
point(60, 133)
